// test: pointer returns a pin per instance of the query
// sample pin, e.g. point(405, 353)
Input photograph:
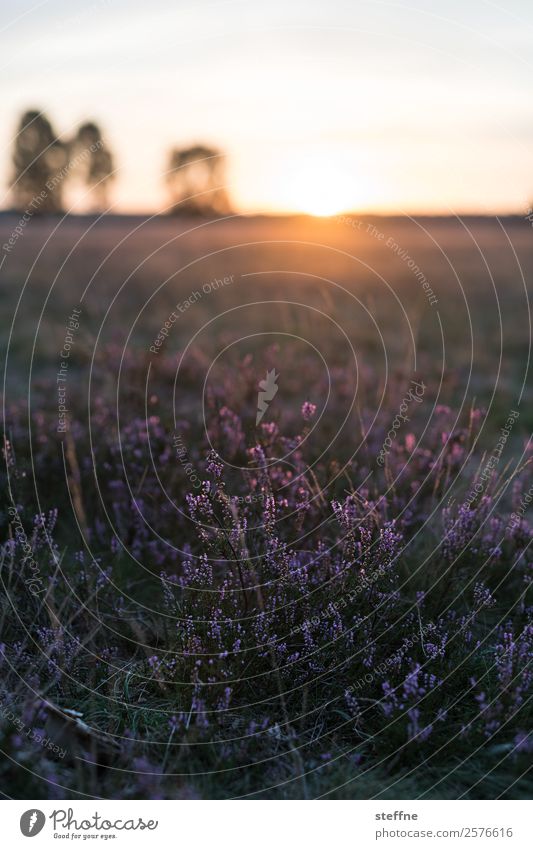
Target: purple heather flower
point(308, 410)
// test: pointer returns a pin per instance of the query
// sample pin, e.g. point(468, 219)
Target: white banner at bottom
point(265, 824)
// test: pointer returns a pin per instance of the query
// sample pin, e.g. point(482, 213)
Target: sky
point(321, 107)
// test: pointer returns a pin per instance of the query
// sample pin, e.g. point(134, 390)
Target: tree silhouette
point(93, 162)
point(196, 181)
point(38, 159)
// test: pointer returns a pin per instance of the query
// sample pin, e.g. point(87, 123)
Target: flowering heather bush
point(261, 611)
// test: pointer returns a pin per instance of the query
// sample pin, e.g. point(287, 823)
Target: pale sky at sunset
point(418, 106)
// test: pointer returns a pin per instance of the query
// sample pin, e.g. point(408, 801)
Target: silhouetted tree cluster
point(43, 163)
point(95, 170)
point(196, 177)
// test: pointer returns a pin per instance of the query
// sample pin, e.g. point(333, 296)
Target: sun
point(325, 205)
point(319, 184)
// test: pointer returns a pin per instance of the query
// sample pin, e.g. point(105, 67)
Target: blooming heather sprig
point(308, 411)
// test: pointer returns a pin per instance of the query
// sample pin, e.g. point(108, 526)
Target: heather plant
point(267, 611)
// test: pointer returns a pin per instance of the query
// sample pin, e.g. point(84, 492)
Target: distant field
point(370, 280)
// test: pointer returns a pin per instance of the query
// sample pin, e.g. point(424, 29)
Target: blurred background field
point(134, 271)
point(131, 272)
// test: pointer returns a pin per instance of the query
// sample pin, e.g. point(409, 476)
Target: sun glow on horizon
point(322, 184)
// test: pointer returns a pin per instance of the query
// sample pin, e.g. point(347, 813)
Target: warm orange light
point(321, 184)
